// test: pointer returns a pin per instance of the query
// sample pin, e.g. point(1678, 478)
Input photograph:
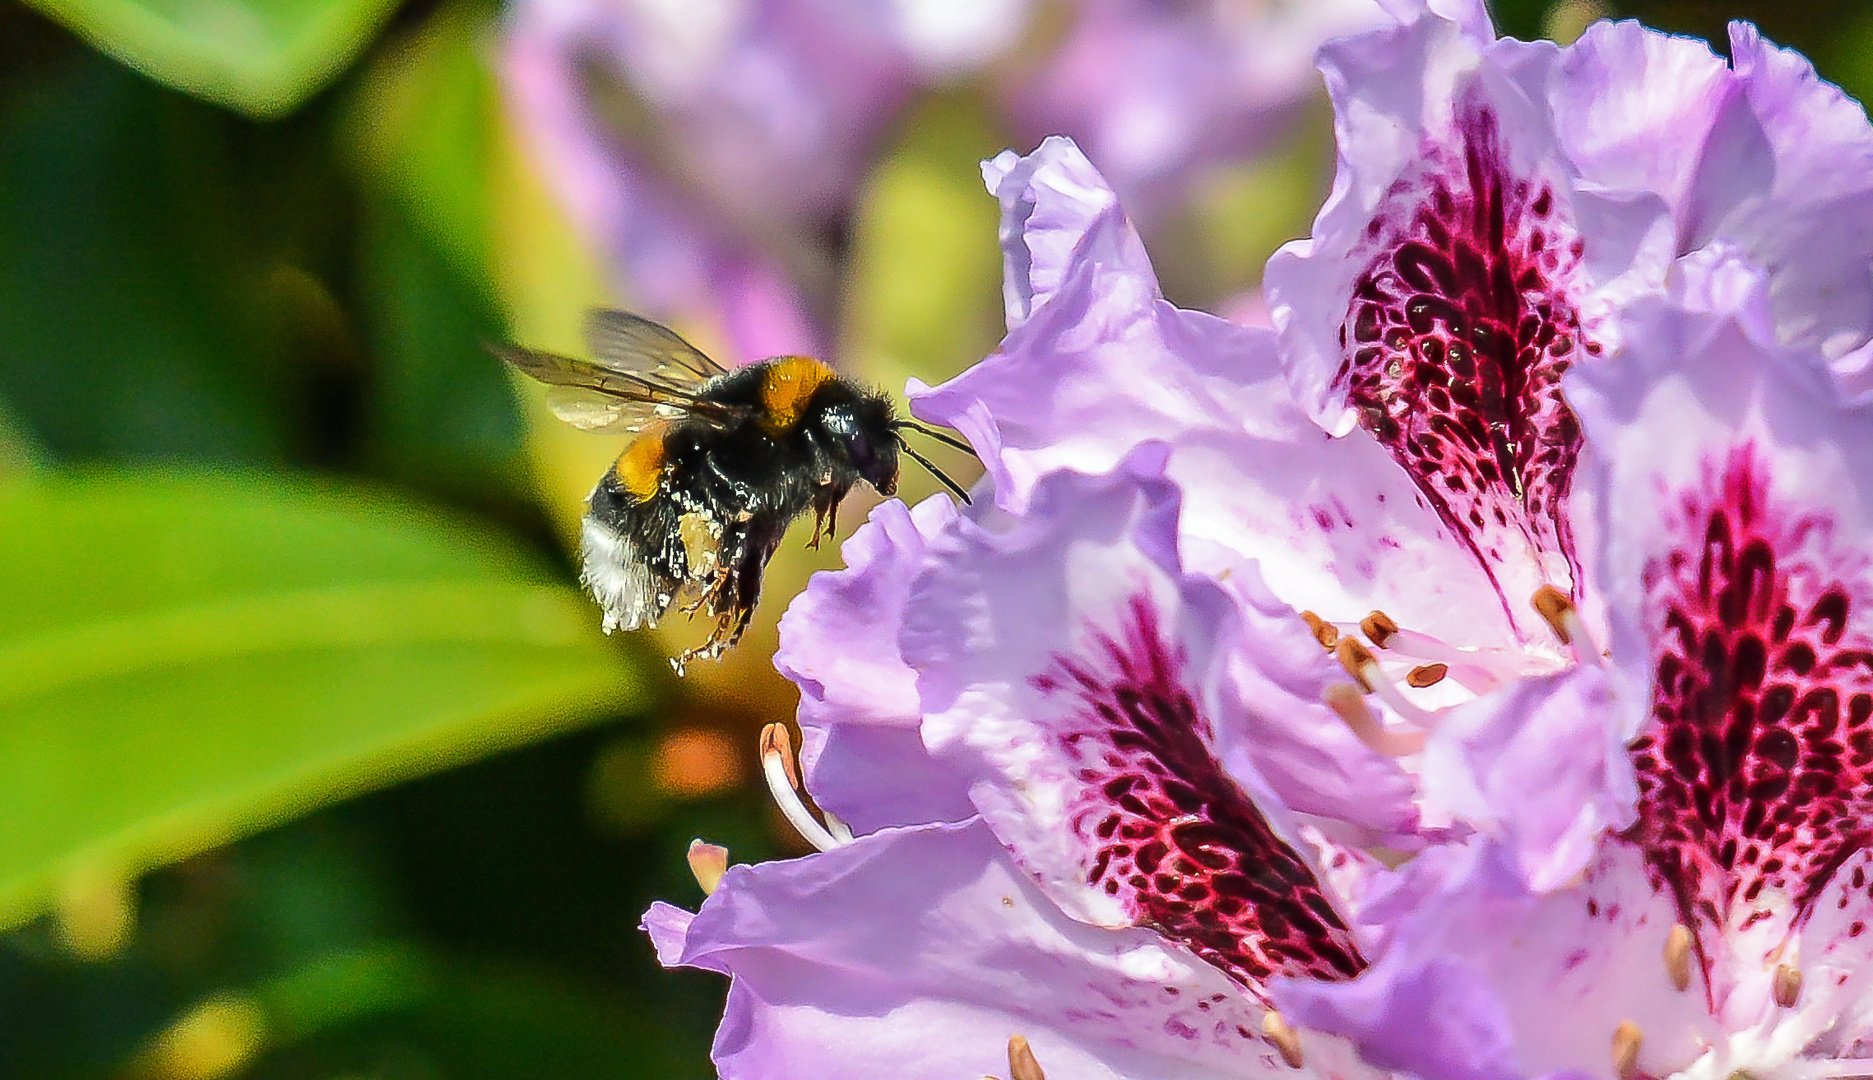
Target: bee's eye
point(875, 463)
point(858, 446)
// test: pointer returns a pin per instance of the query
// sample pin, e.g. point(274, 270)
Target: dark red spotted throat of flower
point(1172, 835)
point(1455, 341)
point(1756, 772)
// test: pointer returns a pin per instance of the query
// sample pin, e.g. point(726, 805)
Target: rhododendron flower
point(1526, 552)
point(1496, 199)
point(1711, 917)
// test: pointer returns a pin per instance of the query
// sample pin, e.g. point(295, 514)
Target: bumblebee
point(724, 461)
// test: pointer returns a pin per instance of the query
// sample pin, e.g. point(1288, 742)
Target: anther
point(1426, 675)
point(782, 781)
point(1358, 662)
point(1626, 1041)
point(1678, 956)
point(1379, 628)
point(1564, 619)
point(1021, 1061)
point(1282, 1037)
point(708, 862)
point(1350, 706)
point(1324, 632)
point(775, 739)
point(1481, 670)
point(1787, 985)
point(1361, 665)
point(1553, 605)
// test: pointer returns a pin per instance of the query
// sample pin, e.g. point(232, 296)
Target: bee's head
point(859, 426)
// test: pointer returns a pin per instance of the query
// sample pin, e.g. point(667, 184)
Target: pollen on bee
point(701, 536)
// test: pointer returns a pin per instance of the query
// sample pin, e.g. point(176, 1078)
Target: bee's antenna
point(931, 433)
point(934, 471)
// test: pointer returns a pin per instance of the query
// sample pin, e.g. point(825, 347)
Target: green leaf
point(262, 57)
point(18, 452)
point(424, 126)
point(442, 415)
point(443, 1016)
point(421, 131)
point(186, 658)
point(162, 270)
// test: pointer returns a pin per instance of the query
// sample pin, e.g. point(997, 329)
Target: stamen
point(1021, 1061)
point(1493, 664)
point(1551, 603)
point(1380, 628)
point(1350, 706)
point(1426, 675)
point(1477, 670)
point(783, 780)
point(1787, 985)
point(776, 738)
point(839, 829)
point(1564, 619)
point(1626, 1041)
point(1282, 1037)
point(708, 862)
point(1324, 632)
point(1360, 664)
point(1678, 956)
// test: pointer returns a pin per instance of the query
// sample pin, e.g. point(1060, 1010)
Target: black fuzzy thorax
point(748, 481)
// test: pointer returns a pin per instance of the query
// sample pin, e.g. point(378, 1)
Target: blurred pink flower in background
point(1155, 92)
point(714, 149)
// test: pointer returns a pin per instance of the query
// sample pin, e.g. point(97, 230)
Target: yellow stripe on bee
point(786, 387)
point(640, 467)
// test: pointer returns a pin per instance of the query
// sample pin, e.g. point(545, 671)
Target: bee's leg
point(719, 585)
point(825, 516)
point(741, 587)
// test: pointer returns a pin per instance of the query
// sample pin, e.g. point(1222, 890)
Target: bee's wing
point(608, 397)
point(630, 343)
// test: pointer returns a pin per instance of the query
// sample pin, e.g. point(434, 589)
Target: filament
point(777, 766)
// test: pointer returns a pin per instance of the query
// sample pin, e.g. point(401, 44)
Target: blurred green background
point(313, 763)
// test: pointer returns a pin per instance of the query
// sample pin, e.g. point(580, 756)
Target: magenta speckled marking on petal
point(1455, 341)
point(1173, 836)
point(1756, 770)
